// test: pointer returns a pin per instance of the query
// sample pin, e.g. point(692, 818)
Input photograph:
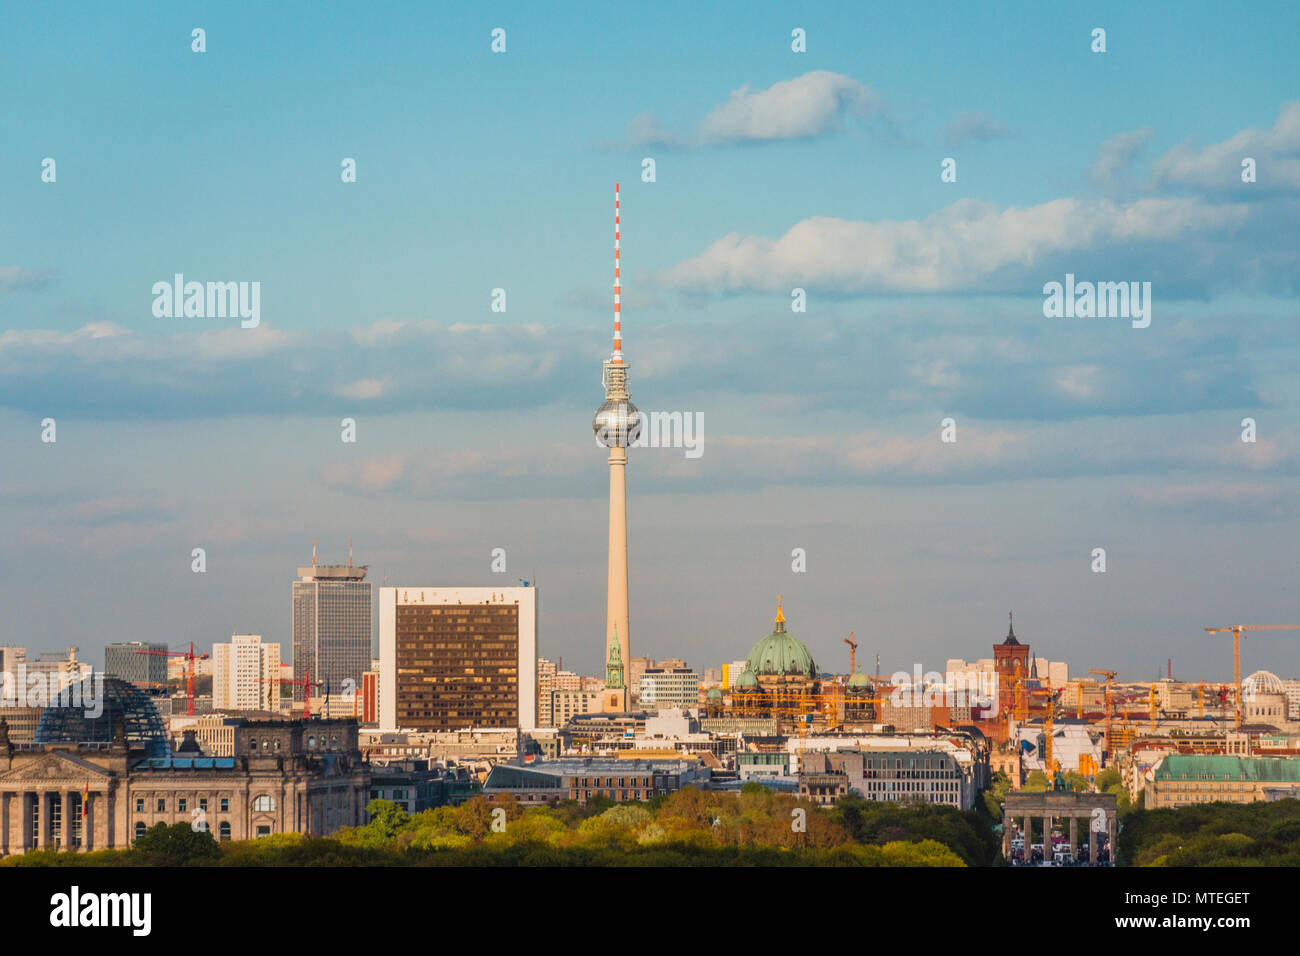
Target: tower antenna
point(349, 552)
point(313, 552)
point(617, 357)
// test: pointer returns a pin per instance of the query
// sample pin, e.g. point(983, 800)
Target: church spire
point(780, 616)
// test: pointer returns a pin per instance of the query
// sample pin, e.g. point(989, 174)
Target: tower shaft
point(616, 627)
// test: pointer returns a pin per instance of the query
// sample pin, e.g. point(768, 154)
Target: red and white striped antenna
point(313, 552)
point(617, 357)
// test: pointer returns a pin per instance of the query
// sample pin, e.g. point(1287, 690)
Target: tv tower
point(617, 425)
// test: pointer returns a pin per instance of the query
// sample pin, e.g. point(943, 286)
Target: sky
point(774, 170)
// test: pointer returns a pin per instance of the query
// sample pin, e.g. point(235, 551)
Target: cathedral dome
point(1264, 682)
point(746, 680)
point(859, 682)
point(780, 653)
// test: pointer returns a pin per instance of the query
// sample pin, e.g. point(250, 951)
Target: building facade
point(245, 674)
point(1180, 780)
point(286, 777)
point(457, 658)
point(333, 634)
point(137, 662)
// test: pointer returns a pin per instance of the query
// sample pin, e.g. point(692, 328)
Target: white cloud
point(1115, 156)
point(16, 277)
point(973, 126)
point(959, 247)
point(1217, 166)
point(801, 108)
point(363, 388)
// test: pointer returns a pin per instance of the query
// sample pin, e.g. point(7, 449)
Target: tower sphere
point(617, 423)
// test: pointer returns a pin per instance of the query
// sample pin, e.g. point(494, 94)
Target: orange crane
point(853, 654)
point(190, 658)
point(1237, 636)
point(1110, 676)
point(307, 683)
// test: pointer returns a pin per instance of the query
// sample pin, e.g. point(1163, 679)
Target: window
point(162, 805)
point(224, 829)
point(180, 804)
point(225, 804)
point(311, 743)
point(139, 829)
point(139, 804)
point(263, 803)
point(203, 803)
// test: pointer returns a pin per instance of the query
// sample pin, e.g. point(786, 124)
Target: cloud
point(644, 130)
point(1217, 167)
point(363, 388)
point(973, 127)
point(16, 278)
point(981, 455)
point(806, 107)
point(802, 108)
point(1115, 156)
point(1241, 500)
point(968, 246)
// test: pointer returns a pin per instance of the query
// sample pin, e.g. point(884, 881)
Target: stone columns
point(43, 832)
point(1047, 837)
point(25, 800)
point(1006, 837)
point(1074, 837)
point(69, 819)
point(1111, 833)
point(1029, 834)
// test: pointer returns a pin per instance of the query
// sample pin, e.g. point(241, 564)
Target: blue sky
point(774, 170)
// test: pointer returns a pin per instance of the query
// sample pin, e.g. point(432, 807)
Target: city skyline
point(924, 302)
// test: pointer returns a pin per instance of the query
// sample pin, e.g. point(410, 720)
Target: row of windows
point(263, 802)
point(612, 794)
point(609, 782)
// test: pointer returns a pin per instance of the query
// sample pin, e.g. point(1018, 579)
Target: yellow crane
point(1237, 635)
point(853, 654)
point(1110, 676)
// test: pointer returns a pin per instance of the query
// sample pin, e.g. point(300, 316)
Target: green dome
point(859, 681)
point(714, 694)
point(781, 654)
point(746, 680)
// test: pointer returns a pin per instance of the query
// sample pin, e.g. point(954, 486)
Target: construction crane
point(1048, 717)
point(1078, 703)
point(853, 654)
point(190, 658)
point(1110, 676)
point(306, 683)
point(1237, 636)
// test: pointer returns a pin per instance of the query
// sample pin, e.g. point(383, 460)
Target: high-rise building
point(670, 687)
point(457, 658)
point(617, 425)
point(245, 674)
point(137, 662)
point(333, 640)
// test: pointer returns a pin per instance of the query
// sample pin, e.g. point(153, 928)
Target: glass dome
point(103, 709)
